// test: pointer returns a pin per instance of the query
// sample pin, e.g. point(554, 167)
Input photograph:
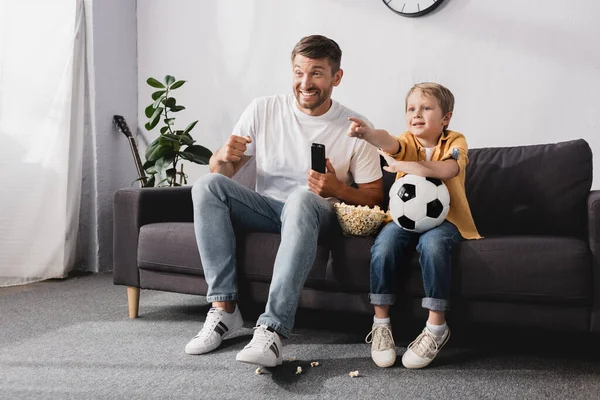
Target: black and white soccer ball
point(418, 204)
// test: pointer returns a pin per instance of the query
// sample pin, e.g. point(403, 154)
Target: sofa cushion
point(522, 269)
point(529, 269)
point(169, 247)
point(257, 252)
point(525, 269)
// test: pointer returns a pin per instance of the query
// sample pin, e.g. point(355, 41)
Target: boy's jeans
point(220, 204)
point(390, 252)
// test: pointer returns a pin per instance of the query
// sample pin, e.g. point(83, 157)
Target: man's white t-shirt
point(281, 140)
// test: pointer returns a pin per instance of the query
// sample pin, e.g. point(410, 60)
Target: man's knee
point(209, 184)
point(303, 202)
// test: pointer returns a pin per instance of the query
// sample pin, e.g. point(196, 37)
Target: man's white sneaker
point(219, 324)
point(421, 352)
point(383, 348)
point(265, 348)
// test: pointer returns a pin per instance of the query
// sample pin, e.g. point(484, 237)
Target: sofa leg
point(133, 299)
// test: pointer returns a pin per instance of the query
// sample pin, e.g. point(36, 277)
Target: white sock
point(381, 321)
point(437, 330)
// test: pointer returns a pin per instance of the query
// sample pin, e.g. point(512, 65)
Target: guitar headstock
point(122, 125)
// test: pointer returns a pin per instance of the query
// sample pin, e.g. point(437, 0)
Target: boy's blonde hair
point(441, 93)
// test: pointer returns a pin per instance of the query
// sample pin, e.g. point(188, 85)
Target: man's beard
point(323, 96)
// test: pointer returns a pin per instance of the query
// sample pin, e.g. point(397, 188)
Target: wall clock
point(412, 8)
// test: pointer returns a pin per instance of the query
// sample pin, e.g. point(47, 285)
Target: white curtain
point(42, 71)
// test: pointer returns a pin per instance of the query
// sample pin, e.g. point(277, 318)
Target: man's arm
point(367, 194)
point(327, 185)
point(230, 158)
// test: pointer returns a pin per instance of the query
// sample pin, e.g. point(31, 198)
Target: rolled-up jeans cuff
point(435, 304)
point(382, 299)
point(277, 327)
point(222, 297)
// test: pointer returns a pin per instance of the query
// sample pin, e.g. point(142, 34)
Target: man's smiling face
point(313, 84)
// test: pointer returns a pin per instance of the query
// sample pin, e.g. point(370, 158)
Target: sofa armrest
point(136, 207)
point(593, 205)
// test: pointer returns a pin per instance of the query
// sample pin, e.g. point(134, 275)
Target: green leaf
point(177, 108)
point(158, 94)
point(170, 102)
point(157, 112)
point(177, 84)
point(162, 164)
point(169, 79)
point(154, 83)
point(150, 182)
point(190, 127)
point(152, 123)
point(169, 121)
point(149, 111)
point(164, 129)
point(186, 139)
point(197, 154)
point(171, 137)
point(160, 150)
point(148, 164)
point(171, 175)
point(158, 101)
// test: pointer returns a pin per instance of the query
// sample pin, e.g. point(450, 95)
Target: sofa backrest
point(539, 189)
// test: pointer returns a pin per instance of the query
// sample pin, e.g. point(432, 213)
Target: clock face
point(412, 8)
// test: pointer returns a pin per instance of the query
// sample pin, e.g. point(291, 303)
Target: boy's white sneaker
point(383, 348)
point(421, 352)
point(219, 324)
point(265, 348)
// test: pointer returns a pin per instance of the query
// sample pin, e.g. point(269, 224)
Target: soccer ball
point(418, 204)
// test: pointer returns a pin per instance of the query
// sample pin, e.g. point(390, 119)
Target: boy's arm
point(443, 170)
point(376, 137)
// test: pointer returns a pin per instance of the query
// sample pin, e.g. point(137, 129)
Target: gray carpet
point(71, 339)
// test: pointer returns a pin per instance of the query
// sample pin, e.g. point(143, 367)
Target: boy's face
point(313, 84)
point(424, 118)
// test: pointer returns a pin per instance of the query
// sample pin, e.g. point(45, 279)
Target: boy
point(427, 149)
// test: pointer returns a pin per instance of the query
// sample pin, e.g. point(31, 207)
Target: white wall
point(523, 72)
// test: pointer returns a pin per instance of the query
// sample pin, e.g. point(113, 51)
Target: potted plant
point(172, 145)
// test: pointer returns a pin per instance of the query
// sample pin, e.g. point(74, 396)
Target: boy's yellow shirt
point(450, 145)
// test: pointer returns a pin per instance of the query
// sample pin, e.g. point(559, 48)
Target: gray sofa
point(538, 265)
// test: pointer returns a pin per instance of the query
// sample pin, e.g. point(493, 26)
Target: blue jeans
point(220, 204)
point(390, 252)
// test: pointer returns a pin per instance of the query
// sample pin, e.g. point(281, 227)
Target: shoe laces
point(262, 338)
point(381, 337)
point(212, 319)
point(424, 344)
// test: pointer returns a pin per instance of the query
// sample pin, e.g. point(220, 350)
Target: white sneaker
point(265, 348)
point(421, 352)
point(219, 324)
point(383, 348)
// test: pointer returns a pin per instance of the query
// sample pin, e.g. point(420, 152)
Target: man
point(290, 198)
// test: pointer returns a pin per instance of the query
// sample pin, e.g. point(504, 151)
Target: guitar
point(122, 126)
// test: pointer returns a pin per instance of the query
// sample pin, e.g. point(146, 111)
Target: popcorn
point(291, 359)
point(359, 220)
point(353, 374)
point(258, 371)
point(314, 364)
point(298, 370)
